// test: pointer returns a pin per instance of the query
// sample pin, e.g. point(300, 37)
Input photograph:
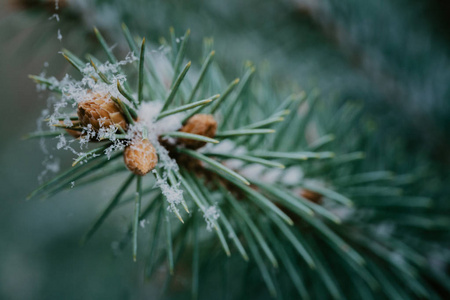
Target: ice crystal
point(51, 164)
point(211, 215)
point(142, 223)
point(173, 194)
point(54, 16)
point(62, 141)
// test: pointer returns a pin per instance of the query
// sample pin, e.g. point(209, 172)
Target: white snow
point(211, 215)
point(148, 112)
point(173, 194)
point(292, 175)
point(142, 223)
point(54, 16)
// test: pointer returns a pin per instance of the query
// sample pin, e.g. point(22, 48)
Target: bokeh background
point(391, 57)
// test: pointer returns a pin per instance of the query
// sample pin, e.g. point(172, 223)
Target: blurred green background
point(393, 56)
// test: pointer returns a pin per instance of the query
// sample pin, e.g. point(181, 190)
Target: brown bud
point(200, 124)
point(100, 111)
point(311, 196)
point(140, 157)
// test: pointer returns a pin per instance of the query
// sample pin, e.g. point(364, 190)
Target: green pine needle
point(89, 154)
point(247, 158)
point(203, 71)
point(127, 111)
point(180, 54)
point(240, 132)
point(76, 62)
point(168, 232)
point(141, 72)
point(191, 136)
point(195, 259)
point(109, 208)
point(214, 164)
point(186, 107)
point(44, 81)
point(102, 76)
point(151, 260)
point(328, 193)
point(225, 95)
point(137, 211)
point(173, 91)
point(105, 46)
point(254, 229)
point(259, 262)
point(127, 95)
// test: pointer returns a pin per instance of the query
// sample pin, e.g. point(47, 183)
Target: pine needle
point(108, 209)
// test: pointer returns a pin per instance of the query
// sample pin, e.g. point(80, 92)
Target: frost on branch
point(100, 118)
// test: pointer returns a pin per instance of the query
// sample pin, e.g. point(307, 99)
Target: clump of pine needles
point(255, 166)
